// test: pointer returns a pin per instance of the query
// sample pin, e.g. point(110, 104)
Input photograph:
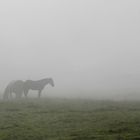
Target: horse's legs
point(10, 94)
point(5, 96)
point(26, 93)
point(39, 93)
point(19, 95)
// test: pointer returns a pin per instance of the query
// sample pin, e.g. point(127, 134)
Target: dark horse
point(37, 85)
point(14, 87)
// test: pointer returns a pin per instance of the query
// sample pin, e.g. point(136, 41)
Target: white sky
point(82, 44)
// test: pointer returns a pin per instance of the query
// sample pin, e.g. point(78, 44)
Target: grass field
point(69, 119)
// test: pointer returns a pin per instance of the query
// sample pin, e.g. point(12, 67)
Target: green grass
point(69, 119)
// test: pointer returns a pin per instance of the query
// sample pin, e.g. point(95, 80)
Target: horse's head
point(51, 82)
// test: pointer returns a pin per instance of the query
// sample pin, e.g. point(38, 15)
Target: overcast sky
point(81, 44)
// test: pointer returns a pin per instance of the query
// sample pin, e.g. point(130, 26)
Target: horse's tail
point(8, 90)
point(6, 93)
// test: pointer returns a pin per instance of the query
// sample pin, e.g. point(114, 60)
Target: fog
point(88, 47)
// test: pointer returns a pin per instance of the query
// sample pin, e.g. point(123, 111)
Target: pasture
point(69, 119)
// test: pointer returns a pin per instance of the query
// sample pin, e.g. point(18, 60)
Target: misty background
point(89, 47)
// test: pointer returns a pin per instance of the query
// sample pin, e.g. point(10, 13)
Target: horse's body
point(14, 87)
point(37, 85)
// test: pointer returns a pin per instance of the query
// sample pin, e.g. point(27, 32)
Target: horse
point(37, 85)
point(14, 87)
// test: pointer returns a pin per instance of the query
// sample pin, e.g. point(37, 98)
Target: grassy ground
point(67, 119)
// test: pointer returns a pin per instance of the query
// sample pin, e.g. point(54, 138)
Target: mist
point(89, 47)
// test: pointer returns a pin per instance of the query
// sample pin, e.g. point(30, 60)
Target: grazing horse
point(37, 85)
point(14, 87)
